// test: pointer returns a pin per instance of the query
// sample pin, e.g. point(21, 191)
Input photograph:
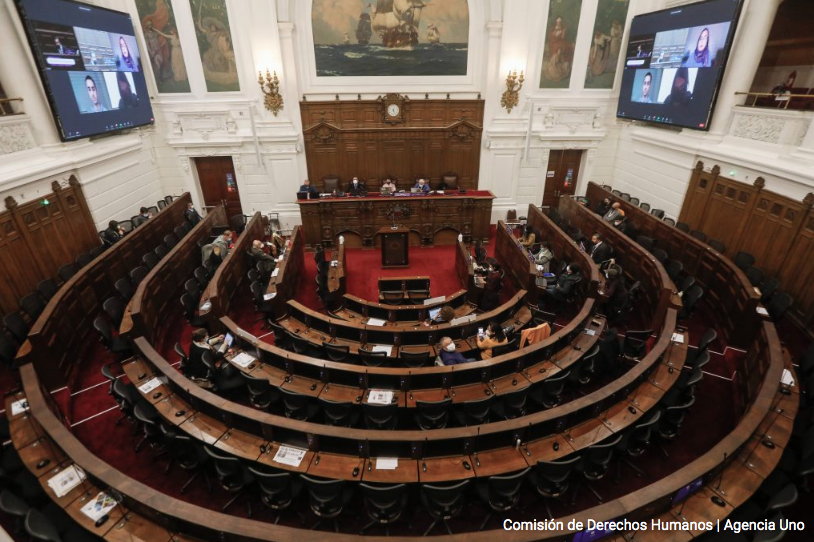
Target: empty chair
point(238, 223)
point(14, 323)
point(83, 259)
point(671, 421)
point(137, 275)
point(114, 307)
point(717, 246)
point(689, 301)
point(277, 490)
point(168, 199)
point(47, 289)
point(261, 392)
point(778, 305)
point(432, 414)
point(373, 359)
point(512, 405)
point(636, 440)
point(170, 241)
point(685, 284)
point(160, 251)
point(201, 276)
point(510, 346)
point(475, 412)
point(327, 498)
point(193, 288)
point(755, 275)
point(7, 350)
point(39, 527)
point(14, 507)
point(392, 298)
point(443, 502)
point(381, 417)
point(744, 260)
point(298, 406)
point(261, 305)
point(634, 201)
point(146, 416)
point(67, 271)
point(302, 346)
point(161, 204)
point(616, 192)
point(659, 254)
point(625, 196)
point(233, 476)
point(117, 345)
point(339, 414)
point(336, 352)
point(252, 274)
point(150, 260)
point(658, 213)
point(281, 338)
point(644, 206)
point(184, 359)
point(414, 360)
point(548, 393)
point(551, 479)
point(701, 236)
point(669, 221)
point(33, 305)
point(384, 505)
point(683, 227)
point(595, 464)
point(179, 232)
point(645, 242)
point(187, 227)
point(634, 345)
point(706, 339)
point(124, 288)
point(501, 493)
point(582, 372)
point(674, 269)
point(97, 251)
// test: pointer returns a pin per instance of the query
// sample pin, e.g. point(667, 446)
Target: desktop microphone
point(721, 477)
point(477, 461)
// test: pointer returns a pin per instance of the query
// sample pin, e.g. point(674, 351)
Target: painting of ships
point(433, 35)
point(396, 22)
point(363, 29)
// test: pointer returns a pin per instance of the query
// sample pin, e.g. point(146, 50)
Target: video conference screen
point(90, 66)
point(674, 63)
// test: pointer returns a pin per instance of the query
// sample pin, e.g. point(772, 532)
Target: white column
point(756, 21)
point(493, 88)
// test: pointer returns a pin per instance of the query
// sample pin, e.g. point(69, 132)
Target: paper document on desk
point(787, 378)
point(433, 300)
point(18, 407)
point(386, 348)
point(150, 385)
point(375, 322)
point(289, 456)
point(270, 296)
point(380, 397)
point(762, 311)
point(100, 506)
point(243, 360)
point(275, 272)
point(64, 481)
point(590, 332)
point(387, 463)
point(678, 338)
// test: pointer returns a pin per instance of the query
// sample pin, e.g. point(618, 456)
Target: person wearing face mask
point(422, 186)
point(494, 336)
point(615, 290)
point(448, 354)
point(357, 188)
point(603, 207)
point(565, 285)
point(543, 258)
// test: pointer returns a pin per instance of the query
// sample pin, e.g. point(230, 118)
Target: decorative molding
point(767, 126)
point(15, 134)
point(572, 119)
point(288, 148)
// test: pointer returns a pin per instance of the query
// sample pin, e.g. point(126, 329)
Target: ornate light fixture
point(511, 97)
point(271, 88)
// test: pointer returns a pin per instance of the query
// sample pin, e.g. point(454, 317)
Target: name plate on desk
point(375, 322)
point(380, 397)
point(150, 385)
point(288, 455)
point(64, 481)
point(243, 360)
point(433, 300)
point(387, 463)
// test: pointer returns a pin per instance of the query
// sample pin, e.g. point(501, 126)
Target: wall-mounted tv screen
point(674, 63)
point(90, 65)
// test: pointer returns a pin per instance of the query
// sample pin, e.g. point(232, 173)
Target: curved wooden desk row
point(336, 275)
point(658, 290)
point(515, 260)
point(727, 290)
point(64, 325)
point(160, 288)
point(353, 307)
point(289, 273)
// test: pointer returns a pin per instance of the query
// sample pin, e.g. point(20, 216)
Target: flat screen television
point(674, 62)
point(90, 65)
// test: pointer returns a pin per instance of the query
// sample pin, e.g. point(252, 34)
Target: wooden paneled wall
point(37, 239)
point(348, 138)
point(777, 230)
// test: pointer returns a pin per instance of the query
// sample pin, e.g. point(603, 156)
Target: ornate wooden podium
point(395, 251)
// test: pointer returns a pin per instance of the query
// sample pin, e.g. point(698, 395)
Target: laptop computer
point(434, 312)
point(415, 190)
point(386, 192)
point(303, 195)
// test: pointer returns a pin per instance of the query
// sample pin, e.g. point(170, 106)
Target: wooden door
point(562, 175)
point(219, 183)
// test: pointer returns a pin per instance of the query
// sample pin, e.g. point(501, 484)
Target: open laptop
point(386, 192)
point(434, 312)
point(415, 190)
point(303, 195)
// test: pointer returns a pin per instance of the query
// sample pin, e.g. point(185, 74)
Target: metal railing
point(780, 97)
point(3, 106)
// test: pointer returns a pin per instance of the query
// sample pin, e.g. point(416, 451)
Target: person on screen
point(95, 105)
point(128, 97)
point(679, 95)
point(647, 81)
point(59, 47)
point(700, 57)
point(126, 61)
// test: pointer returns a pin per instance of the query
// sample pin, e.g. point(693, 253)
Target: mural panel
point(560, 41)
point(606, 43)
point(162, 45)
point(215, 45)
point(389, 38)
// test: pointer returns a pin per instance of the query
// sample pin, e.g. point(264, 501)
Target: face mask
point(450, 347)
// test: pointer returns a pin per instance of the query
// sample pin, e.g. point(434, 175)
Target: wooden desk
point(395, 247)
point(326, 218)
point(289, 272)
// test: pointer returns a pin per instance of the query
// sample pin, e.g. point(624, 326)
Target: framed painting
point(606, 42)
point(163, 45)
point(215, 45)
point(560, 42)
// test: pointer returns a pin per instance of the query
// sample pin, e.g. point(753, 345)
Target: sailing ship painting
point(393, 37)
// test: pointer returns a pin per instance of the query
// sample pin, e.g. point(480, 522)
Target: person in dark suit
point(357, 188)
point(615, 290)
point(565, 285)
point(600, 251)
point(480, 252)
point(306, 187)
point(491, 290)
point(259, 255)
point(112, 234)
point(603, 207)
point(201, 343)
point(191, 214)
point(422, 186)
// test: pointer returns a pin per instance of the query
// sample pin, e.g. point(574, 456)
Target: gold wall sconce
point(271, 89)
point(511, 97)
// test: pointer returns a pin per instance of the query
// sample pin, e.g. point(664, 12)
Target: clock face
point(393, 110)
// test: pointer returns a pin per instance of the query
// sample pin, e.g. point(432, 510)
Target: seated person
point(211, 253)
point(564, 287)
point(528, 238)
point(544, 256)
point(446, 314)
point(491, 290)
point(276, 245)
point(600, 251)
point(356, 188)
point(614, 213)
point(306, 187)
point(143, 216)
point(448, 354)
point(388, 186)
point(494, 336)
point(224, 241)
point(191, 214)
point(615, 290)
point(603, 207)
point(112, 234)
point(258, 254)
point(480, 252)
point(201, 342)
point(620, 224)
point(422, 186)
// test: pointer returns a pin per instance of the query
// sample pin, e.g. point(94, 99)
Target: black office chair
point(635, 442)
point(685, 284)
point(83, 259)
point(552, 479)
point(674, 269)
point(33, 305)
point(443, 502)
point(660, 255)
point(512, 405)
point(116, 345)
point(381, 417)
point(47, 289)
point(684, 388)
point(373, 359)
point(184, 359)
point(475, 412)
point(583, 371)
point(339, 414)
point(644, 206)
point(778, 305)
point(501, 493)
point(153, 210)
point(238, 223)
point(707, 338)
point(690, 301)
point(634, 344)
point(669, 221)
point(97, 251)
point(701, 236)
point(225, 378)
point(683, 227)
point(755, 275)
point(658, 213)
point(137, 275)
point(179, 232)
point(768, 289)
point(281, 338)
point(170, 240)
point(432, 414)
point(233, 476)
point(193, 288)
point(671, 421)
point(548, 393)
point(146, 416)
point(253, 275)
point(327, 498)
point(114, 308)
point(595, 465)
point(278, 490)
point(124, 288)
point(187, 227)
point(298, 406)
point(393, 298)
point(634, 201)
point(743, 260)
point(39, 527)
point(414, 360)
point(717, 246)
point(168, 199)
point(7, 350)
point(126, 225)
point(126, 397)
point(261, 393)
point(202, 276)
point(384, 505)
point(14, 507)
point(160, 251)
point(336, 352)
point(150, 260)
point(510, 346)
point(107, 372)
point(624, 196)
point(190, 306)
point(302, 346)
point(645, 242)
point(260, 305)
point(161, 204)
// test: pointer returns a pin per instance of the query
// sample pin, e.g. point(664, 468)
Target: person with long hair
point(126, 60)
point(494, 336)
point(128, 97)
point(700, 57)
point(679, 94)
